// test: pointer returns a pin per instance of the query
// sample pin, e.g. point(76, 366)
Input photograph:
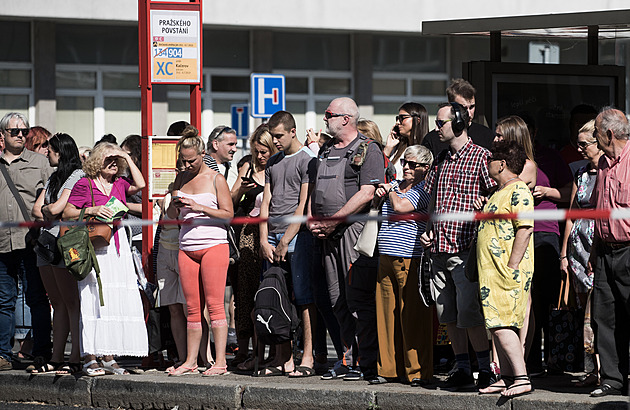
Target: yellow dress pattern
point(504, 291)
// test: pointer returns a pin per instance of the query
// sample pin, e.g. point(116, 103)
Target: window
point(300, 51)
point(409, 54)
point(16, 41)
point(75, 116)
point(226, 48)
point(95, 44)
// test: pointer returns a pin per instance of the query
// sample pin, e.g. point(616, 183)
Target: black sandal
point(70, 368)
point(48, 367)
point(524, 379)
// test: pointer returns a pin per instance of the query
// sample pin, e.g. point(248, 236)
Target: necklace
point(506, 182)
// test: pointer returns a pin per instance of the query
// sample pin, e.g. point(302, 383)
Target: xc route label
point(175, 51)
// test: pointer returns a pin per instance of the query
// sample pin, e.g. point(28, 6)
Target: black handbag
point(46, 248)
point(424, 268)
point(470, 270)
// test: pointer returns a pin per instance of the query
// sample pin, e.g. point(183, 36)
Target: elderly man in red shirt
point(611, 253)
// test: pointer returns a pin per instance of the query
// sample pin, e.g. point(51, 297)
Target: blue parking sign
point(240, 119)
point(268, 94)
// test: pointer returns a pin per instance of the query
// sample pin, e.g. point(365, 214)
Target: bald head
point(347, 106)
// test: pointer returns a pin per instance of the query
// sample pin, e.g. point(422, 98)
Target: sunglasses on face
point(441, 123)
point(42, 145)
point(16, 131)
point(402, 117)
point(584, 144)
point(411, 164)
point(328, 115)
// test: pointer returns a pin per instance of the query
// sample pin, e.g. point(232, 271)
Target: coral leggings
point(203, 274)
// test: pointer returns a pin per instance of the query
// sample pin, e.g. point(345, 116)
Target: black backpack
point(275, 317)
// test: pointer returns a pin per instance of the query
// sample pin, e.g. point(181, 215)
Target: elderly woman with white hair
point(404, 324)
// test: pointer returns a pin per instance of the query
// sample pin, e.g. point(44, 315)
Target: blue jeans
point(22, 312)
point(13, 265)
point(299, 256)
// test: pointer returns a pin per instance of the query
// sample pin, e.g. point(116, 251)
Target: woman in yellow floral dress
point(505, 260)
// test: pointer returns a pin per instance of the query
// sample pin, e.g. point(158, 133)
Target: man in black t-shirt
point(463, 93)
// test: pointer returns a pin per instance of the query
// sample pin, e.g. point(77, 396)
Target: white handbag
point(367, 238)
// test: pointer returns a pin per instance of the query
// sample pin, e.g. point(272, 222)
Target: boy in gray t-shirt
point(288, 176)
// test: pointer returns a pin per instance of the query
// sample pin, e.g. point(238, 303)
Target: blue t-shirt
point(402, 238)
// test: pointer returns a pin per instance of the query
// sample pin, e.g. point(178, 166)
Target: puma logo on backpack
point(276, 316)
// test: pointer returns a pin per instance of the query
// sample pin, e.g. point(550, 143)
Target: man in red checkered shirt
point(462, 178)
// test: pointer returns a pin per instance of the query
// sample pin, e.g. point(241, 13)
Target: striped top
point(402, 238)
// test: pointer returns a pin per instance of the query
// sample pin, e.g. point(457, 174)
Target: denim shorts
point(299, 255)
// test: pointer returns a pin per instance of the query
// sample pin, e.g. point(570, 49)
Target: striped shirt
point(402, 238)
point(463, 177)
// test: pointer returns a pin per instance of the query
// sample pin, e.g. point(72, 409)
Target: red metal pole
point(195, 90)
point(146, 94)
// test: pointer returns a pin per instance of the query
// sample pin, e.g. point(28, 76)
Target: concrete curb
point(157, 391)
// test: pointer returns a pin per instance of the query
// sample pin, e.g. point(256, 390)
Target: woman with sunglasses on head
point(117, 328)
point(201, 193)
point(60, 285)
point(37, 140)
point(405, 330)
point(412, 124)
point(577, 242)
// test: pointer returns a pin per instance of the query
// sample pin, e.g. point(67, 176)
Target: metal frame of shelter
point(144, 32)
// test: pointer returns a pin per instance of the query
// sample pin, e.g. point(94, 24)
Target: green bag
point(78, 254)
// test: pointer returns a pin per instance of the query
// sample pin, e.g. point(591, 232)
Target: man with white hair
point(351, 277)
point(610, 254)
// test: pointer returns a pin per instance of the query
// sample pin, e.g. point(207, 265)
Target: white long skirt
point(117, 328)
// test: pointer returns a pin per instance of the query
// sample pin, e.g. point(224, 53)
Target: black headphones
point(458, 124)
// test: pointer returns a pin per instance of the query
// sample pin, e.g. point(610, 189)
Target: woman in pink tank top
point(201, 194)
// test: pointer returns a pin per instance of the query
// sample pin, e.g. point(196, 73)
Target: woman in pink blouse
point(117, 328)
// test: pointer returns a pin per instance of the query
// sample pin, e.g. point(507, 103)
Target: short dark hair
point(133, 142)
point(177, 128)
point(282, 117)
point(512, 153)
point(463, 112)
point(460, 87)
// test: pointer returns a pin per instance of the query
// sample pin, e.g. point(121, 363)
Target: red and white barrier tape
point(539, 215)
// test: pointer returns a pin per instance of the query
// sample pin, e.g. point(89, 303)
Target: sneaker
point(338, 371)
point(353, 375)
point(459, 381)
point(5, 364)
point(485, 379)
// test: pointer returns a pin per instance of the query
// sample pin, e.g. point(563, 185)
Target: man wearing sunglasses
point(220, 151)
point(28, 171)
point(345, 185)
point(463, 93)
point(462, 177)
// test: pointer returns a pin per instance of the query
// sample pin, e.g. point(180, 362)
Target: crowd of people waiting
point(492, 283)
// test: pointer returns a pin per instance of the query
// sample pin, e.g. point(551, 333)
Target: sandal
point(186, 371)
point(70, 368)
point(173, 367)
point(49, 367)
point(110, 368)
point(93, 371)
point(524, 381)
point(247, 365)
point(215, 371)
point(589, 379)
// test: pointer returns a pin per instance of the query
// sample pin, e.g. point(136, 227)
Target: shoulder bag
point(424, 267)
point(78, 254)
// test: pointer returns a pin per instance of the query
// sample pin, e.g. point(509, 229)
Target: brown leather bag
point(100, 233)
